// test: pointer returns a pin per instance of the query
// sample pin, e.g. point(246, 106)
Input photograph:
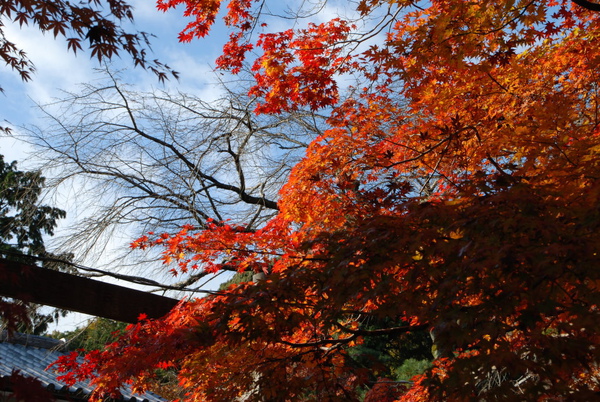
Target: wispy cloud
point(55, 67)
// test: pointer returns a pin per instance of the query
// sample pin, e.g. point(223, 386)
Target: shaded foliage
point(94, 336)
point(456, 192)
point(24, 222)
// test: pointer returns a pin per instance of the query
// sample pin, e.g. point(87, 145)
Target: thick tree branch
point(587, 4)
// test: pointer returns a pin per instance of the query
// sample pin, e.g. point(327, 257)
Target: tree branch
point(587, 4)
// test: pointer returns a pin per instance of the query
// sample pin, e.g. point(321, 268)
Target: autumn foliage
point(95, 24)
point(457, 191)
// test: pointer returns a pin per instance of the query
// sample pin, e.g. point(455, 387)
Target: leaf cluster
point(99, 23)
point(24, 224)
point(23, 221)
point(456, 193)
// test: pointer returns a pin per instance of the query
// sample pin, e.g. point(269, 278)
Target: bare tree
point(139, 162)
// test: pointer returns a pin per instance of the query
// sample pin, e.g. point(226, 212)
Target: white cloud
point(55, 66)
point(145, 12)
point(14, 150)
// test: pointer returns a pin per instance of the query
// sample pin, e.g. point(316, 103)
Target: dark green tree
point(239, 277)
point(94, 336)
point(24, 221)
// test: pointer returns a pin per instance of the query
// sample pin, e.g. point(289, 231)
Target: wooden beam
point(58, 289)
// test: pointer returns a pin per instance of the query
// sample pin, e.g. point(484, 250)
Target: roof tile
point(31, 355)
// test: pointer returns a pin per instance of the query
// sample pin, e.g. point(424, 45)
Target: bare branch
point(135, 162)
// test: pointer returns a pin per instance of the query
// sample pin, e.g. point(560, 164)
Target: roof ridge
point(36, 341)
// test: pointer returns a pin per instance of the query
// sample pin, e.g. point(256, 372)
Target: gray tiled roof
point(31, 355)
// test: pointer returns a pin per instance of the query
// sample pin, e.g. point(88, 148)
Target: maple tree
point(101, 25)
point(456, 192)
point(185, 160)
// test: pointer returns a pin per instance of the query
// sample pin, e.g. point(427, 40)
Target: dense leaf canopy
point(456, 191)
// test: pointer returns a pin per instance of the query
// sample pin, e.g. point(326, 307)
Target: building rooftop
point(31, 355)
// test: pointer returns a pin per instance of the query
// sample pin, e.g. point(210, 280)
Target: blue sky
point(58, 70)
